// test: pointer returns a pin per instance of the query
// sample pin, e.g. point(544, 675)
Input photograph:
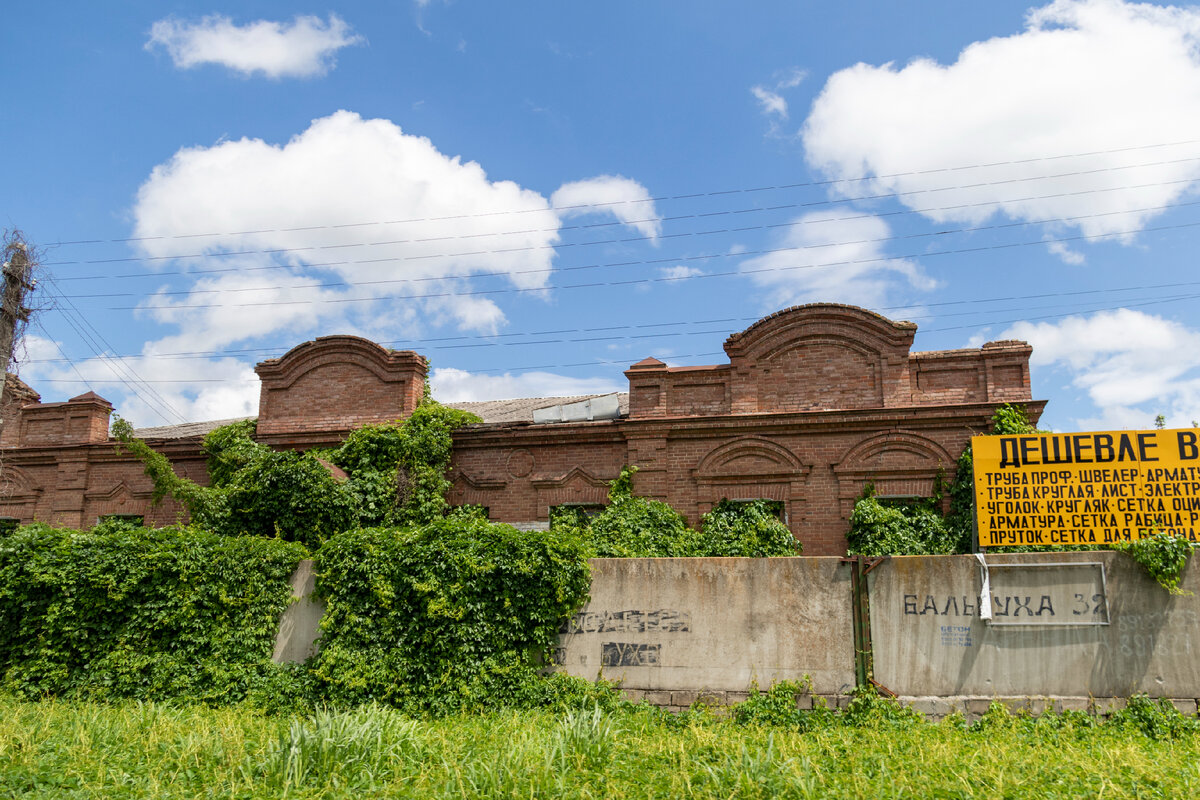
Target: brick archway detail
point(767, 470)
point(899, 463)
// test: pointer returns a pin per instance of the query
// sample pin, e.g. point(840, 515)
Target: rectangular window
point(776, 507)
point(128, 520)
point(576, 514)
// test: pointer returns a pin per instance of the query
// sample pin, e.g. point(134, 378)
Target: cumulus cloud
point(348, 201)
point(1132, 365)
point(1065, 253)
point(832, 255)
point(351, 226)
point(451, 385)
point(304, 48)
point(1083, 77)
point(624, 198)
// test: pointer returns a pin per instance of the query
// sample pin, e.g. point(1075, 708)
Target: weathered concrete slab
point(700, 625)
point(929, 640)
point(299, 627)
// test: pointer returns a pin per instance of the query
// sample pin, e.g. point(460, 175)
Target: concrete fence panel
point(1063, 624)
point(713, 624)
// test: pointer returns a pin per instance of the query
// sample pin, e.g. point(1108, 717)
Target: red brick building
point(815, 402)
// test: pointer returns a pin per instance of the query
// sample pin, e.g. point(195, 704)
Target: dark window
point(776, 507)
point(127, 520)
point(577, 514)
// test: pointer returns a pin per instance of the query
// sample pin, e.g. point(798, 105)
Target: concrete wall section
point(1047, 636)
point(300, 626)
point(713, 624)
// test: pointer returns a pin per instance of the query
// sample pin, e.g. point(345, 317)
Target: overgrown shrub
point(171, 613)
point(638, 527)
point(880, 530)
point(1164, 555)
point(749, 529)
point(397, 474)
point(455, 614)
point(1157, 719)
point(920, 528)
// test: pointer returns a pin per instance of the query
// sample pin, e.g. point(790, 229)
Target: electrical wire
point(662, 198)
point(668, 279)
point(280, 251)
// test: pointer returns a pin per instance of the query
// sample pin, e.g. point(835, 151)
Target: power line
point(662, 198)
point(491, 340)
point(127, 375)
point(277, 251)
point(667, 279)
point(818, 246)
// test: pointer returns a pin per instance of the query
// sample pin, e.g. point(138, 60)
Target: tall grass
point(53, 749)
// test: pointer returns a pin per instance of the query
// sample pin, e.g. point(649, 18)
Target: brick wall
point(815, 402)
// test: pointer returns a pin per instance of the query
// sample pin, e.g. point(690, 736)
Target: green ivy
point(174, 613)
point(638, 527)
point(880, 530)
point(397, 474)
point(752, 530)
point(1164, 555)
point(458, 613)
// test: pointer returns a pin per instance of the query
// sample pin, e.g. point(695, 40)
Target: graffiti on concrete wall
point(630, 621)
point(629, 654)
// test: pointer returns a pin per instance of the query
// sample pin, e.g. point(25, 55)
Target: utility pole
point(18, 279)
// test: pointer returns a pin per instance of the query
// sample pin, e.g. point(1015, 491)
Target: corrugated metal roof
point(490, 411)
point(521, 409)
point(185, 430)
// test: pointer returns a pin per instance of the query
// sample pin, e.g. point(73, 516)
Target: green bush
point(880, 530)
point(638, 527)
point(1164, 555)
point(748, 529)
point(171, 613)
point(459, 613)
point(396, 474)
point(1157, 719)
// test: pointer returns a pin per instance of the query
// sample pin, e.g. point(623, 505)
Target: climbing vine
point(1163, 555)
point(455, 613)
point(396, 474)
point(919, 528)
point(639, 527)
point(134, 612)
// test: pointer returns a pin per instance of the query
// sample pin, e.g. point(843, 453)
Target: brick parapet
point(337, 382)
point(697, 434)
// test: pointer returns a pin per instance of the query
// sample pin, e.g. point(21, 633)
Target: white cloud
point(1132, 365)
point(770, 102)
point(624, 198)
point(835, 257)
point(302, 49)
point(680, 272)
point(451, 385)
point(1065, 253)
point(308, 200)
point(192, 389)
point(1084, 76)
point(352, 226)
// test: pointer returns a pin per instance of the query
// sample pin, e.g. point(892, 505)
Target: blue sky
point(537, 195)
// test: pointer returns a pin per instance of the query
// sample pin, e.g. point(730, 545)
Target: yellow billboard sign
point(1086, 488)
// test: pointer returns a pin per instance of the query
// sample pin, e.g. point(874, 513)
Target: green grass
point(62, 749)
